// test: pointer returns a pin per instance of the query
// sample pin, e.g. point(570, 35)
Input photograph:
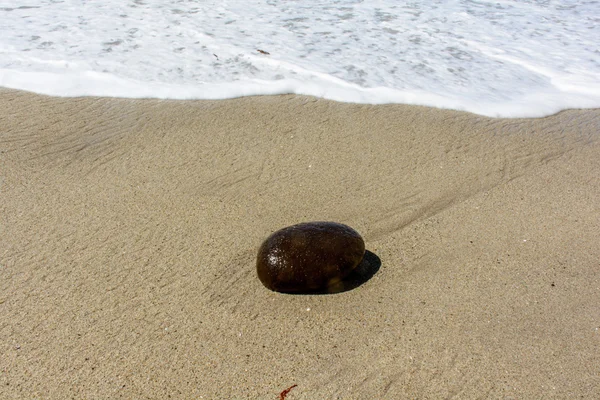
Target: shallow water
point(498, 58)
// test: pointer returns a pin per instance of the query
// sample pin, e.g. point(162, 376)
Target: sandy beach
point(129, 231)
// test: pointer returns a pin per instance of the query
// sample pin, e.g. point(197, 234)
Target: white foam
point(501, 58)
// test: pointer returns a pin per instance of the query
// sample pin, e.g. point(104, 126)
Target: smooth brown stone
point(308, 257)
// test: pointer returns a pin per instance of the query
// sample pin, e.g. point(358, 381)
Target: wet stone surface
point(309, 257)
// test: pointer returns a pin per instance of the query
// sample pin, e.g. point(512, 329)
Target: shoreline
point(280, 89)
point(129, 231)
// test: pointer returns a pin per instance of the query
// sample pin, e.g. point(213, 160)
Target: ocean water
point(503, 58)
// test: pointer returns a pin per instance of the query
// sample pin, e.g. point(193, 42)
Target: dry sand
point(129, 229)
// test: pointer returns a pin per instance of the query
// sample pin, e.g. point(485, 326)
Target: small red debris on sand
point(285, 392)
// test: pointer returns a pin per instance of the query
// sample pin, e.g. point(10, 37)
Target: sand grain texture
point(129, 230)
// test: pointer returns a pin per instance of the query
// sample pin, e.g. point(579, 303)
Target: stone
point(309, 257)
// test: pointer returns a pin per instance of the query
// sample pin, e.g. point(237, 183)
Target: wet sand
point(129, 231)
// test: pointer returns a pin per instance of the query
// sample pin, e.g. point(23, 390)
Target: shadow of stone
point(365, 270)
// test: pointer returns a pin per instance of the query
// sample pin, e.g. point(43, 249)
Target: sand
point(129, 231)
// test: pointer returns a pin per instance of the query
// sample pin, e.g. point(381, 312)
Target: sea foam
point(495, 58)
